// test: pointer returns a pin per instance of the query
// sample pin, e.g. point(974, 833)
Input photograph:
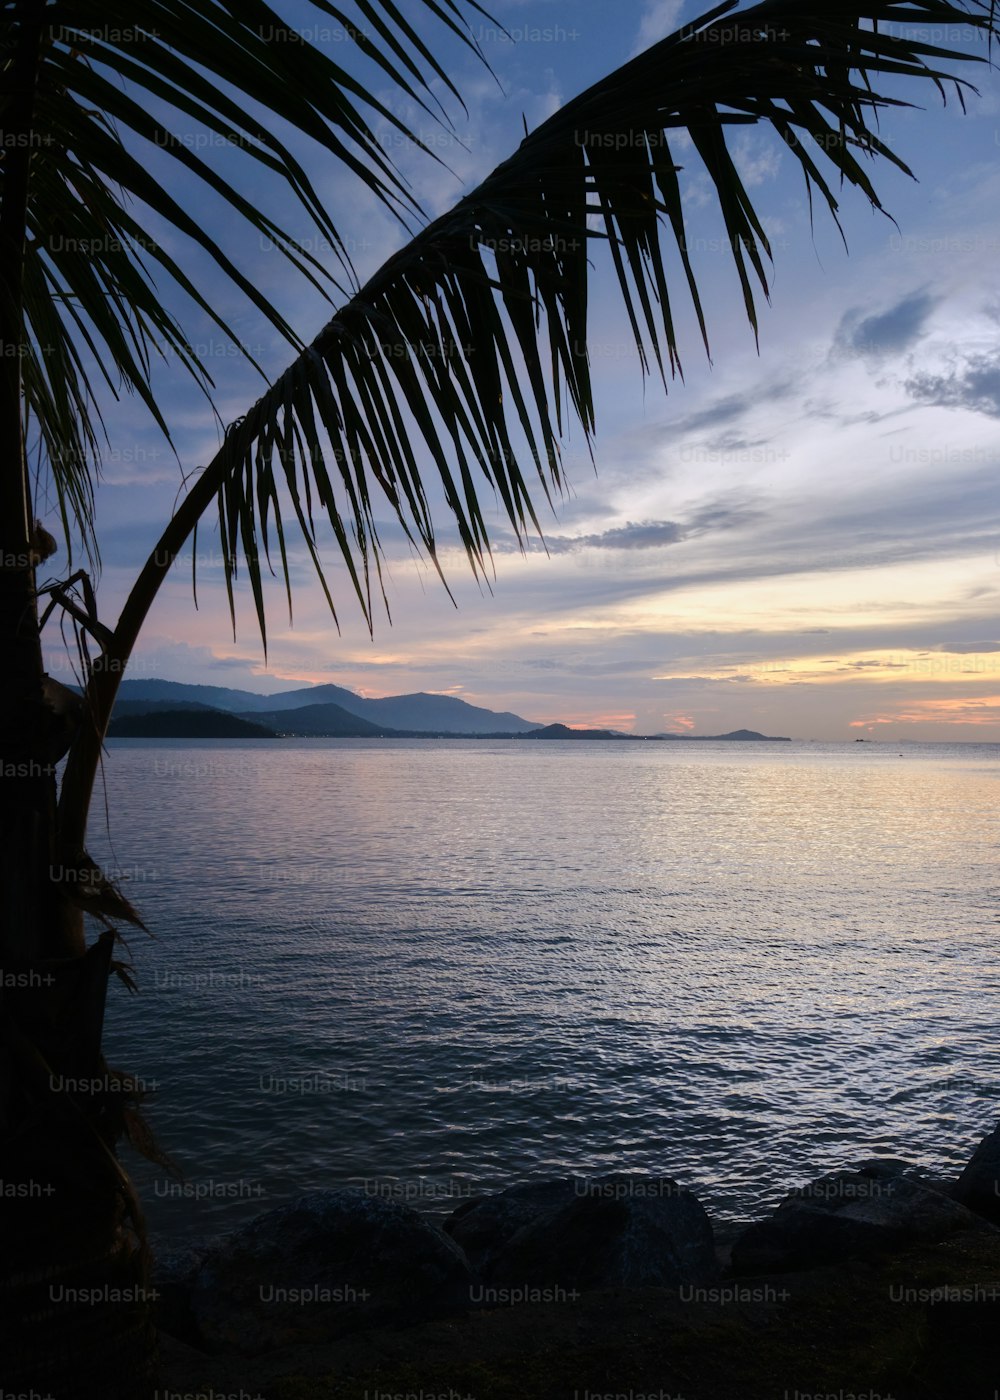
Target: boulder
point(876, 1208)
point(618, 1231)
point(172, 1280)
point(483, 1225)
point(896, 1166)
point(329, 1263)
point(978, 1188)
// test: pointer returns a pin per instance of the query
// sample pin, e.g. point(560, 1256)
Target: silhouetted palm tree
point(468, 340)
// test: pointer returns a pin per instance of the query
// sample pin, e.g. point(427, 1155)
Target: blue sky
point(804, 540)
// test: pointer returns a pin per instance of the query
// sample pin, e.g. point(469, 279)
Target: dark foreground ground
point(864, 1331)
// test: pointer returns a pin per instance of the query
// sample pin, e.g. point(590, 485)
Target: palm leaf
point(100, 75)
point(454, 326)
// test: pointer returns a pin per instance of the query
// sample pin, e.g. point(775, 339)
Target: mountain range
point(420, 712)
point(173, 709)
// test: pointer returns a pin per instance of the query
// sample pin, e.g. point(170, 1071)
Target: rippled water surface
point(434, 967)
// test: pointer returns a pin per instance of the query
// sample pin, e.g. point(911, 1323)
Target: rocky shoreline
point(309, 1298)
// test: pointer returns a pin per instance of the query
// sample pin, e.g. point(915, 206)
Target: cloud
point(714, 516)
point(647, 534)
point(756, 160)
point(659, 18)
point(724, 410)
point(702, 680)
point(728, 444)
point(888, 333)
point(952, 710)
point(678, 723)
point(875, 665)
point(968, 648)
point(169, 659)
point(975, 385)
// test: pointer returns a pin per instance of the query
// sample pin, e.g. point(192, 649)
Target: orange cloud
point(954, 710)
point(620, 720)
point(678, 722)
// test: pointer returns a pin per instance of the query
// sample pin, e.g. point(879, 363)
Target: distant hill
point(421, 713)
point(216, 697)
point(740, 735)
point(307, 695)
point(563, 731)
point(323, 721)
point(200, 723)
point(151, 707)
point(439, 714)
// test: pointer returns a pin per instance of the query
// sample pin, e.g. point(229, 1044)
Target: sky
point(802, 539)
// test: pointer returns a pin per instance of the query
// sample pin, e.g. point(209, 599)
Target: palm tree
point(467, 340)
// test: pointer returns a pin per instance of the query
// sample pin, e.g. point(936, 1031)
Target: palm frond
point(473, 333)
point(229, 72)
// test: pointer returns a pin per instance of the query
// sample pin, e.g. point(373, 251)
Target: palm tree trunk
point(75, 1318)
point(26, 786)
point(75, 1308)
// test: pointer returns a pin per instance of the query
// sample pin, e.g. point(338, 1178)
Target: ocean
point(430, 968)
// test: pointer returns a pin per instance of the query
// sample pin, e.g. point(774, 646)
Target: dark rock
point(483, 1225)
point(887, 1166)
point(172, 1280)
point(896, 1166)
point(875, 1209)
point(330, 1263)
point(978, 1188)
point(617, 1231)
